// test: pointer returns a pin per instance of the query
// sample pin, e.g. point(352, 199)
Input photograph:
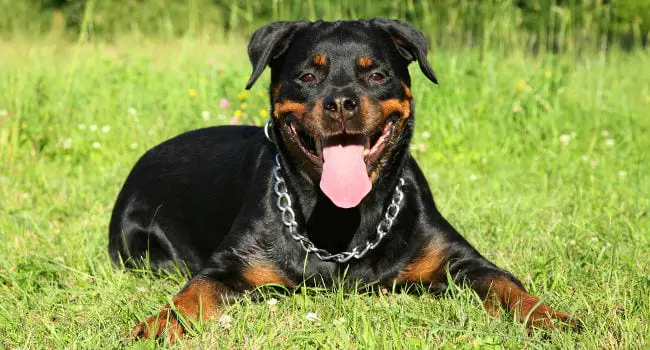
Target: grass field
point(542, 163)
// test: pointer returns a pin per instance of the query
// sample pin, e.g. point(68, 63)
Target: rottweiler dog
point(326, 191)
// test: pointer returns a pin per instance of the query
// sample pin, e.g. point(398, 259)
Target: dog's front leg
point(497, 287)
point(203, 296)
point(200, 299)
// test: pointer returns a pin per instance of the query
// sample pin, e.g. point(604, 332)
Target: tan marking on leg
point(199, 300)
point(505, 293)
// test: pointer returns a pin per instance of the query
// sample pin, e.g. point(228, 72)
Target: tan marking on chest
point(259, 275)
point(425, 268)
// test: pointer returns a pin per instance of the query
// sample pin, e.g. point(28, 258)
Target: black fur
point(204, 199)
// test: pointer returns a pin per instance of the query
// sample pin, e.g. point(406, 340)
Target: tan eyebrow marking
point(364, 62)
point(320, 60)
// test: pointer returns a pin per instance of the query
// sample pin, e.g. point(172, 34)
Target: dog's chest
point(317, 273)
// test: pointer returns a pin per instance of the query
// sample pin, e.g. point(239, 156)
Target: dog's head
point(340, 96)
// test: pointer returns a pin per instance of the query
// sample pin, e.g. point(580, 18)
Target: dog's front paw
point(165, 324)
point(549, 318)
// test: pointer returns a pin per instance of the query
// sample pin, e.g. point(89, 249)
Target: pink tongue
point(345, 178)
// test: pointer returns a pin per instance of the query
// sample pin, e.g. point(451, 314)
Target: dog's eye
point(307, 78)
point(377, 78)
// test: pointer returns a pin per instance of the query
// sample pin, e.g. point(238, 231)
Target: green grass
point(570, 220)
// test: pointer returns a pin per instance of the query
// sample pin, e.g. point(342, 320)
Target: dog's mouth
point(346, 160)
point(373, 145)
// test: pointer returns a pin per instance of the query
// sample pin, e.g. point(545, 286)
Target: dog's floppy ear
point(410, 43)
point(270, 42)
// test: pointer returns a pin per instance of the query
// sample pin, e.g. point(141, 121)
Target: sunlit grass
point(540, 161)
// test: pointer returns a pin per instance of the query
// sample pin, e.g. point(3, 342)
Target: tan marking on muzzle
point(407, 91)
point(276, 90)
point(394, 105)
point(297, 108)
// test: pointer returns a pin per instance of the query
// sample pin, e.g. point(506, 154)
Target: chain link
point(288, 217)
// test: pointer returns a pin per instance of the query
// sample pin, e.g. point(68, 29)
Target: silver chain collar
point(289, 220)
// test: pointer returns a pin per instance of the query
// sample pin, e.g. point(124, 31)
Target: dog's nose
point(341, 107)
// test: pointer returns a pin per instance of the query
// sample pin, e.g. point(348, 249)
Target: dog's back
point(199, 177)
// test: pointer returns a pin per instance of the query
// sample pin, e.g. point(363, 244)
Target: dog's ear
point(270, 42)
point(410, 43)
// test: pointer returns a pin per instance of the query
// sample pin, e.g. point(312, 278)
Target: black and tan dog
point(345, 187)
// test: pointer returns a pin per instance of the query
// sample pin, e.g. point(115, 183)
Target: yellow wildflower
point(242, 95)
point(191, 92)
point(243, 106)
point(239, 113)
point(264, 113)
point(521, 85)
point(548, 74)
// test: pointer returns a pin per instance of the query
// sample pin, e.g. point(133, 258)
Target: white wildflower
point(96, 145)
point(564, 138)
point(92, 127)
point(106, 129)
point(67, 143)
point(225, 321)
point(609, 142)
point(205, 115)
point(312, 316)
